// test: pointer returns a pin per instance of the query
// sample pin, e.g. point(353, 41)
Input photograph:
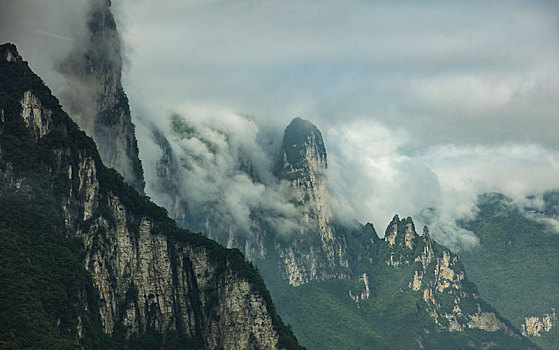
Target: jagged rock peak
point(303, 150)
point(370, 229)
point(8, 53)
point(401, 232)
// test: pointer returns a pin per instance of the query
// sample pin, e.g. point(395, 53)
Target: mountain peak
point(303, 151)
point(401, 232)
point(97, 66)
point(8, 53)
point(303, 167)
point(302, 124)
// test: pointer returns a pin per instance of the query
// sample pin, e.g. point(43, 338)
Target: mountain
point(304, 246)
point(342, 286)
point(317, 251)
point(95, 98)
point(515, 264)
point(406, 292)
point(87, 261)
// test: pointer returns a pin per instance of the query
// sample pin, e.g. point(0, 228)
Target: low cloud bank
point(374, 176)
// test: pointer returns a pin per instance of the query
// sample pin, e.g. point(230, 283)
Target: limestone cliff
point(317, 251)
point(151, 278)
point(439, 277)
point(539, 325)
point(95, 98)
point(310, 249)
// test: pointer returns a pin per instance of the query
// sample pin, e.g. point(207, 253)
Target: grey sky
point(449, 71)
point(422, 104)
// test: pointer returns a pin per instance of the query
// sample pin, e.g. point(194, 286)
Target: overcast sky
point(421, 104)
point(457, 72)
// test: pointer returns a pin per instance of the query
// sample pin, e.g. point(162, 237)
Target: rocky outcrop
point(539, 325)
point(365, 294)
point(318, 251)
point(150, 276)
point(311, 250)
point(37, 118)
point(8, 53)
point(95, 98)
point(439, 278)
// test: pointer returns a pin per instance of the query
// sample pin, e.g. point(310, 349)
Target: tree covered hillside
point(516, 264)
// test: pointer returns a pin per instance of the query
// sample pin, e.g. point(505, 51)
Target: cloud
point(331, 61)
point(376, 177)
point(224, 176)
point(44, 33)
point(423, 106)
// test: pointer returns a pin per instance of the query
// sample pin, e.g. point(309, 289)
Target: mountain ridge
point(365, 275)
point(156, 284)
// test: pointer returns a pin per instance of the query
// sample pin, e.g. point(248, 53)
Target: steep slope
point(138, 280)
point(407, 292)
point(95, 98)
point(515, 265)
point(311, 250)
point(317, 251)
point(344, 287)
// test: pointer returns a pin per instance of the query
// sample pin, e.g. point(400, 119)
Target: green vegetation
point(45, 287)
point(515, 264)
point(323, 315)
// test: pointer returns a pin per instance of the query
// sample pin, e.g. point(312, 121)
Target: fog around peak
point(422, 106)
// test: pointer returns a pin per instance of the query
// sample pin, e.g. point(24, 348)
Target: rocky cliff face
point(311, 250)
point(439, 278)
point(151, 277)
point(538, 325)
point(95, 98)
point(317, 251)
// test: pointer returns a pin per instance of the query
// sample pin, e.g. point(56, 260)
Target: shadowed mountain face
point(87, 261)
point(303, 152)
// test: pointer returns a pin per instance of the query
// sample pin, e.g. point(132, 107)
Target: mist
point(45, 32)
point(423, 107)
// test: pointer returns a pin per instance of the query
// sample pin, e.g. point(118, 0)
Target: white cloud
point(375, 178)
point(423, 105)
